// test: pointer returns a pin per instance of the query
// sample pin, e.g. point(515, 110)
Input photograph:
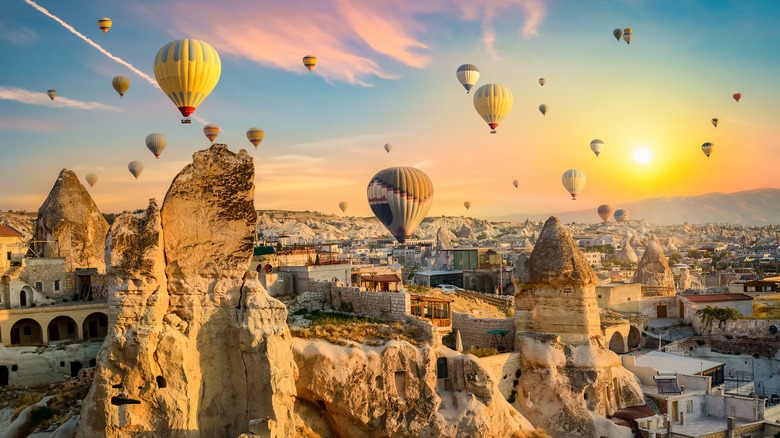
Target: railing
point(656, 291)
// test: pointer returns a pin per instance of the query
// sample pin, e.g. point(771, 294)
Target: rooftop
point(712, 298)
point(667, 363)
point(8, 231)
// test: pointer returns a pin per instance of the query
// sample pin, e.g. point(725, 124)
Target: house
point(690, 304)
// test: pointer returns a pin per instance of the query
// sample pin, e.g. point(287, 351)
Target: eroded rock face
point(626, 254)
point(443, 239)
point(199, 348)
point(653, 270)
point(70, 219)
point(394, 391)
point(568, 374)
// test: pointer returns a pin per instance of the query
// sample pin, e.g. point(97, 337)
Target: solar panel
point(667, 386)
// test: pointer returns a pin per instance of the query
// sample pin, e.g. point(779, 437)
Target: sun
point(642, 155)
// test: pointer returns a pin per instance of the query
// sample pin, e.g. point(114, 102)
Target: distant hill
point(752, 207)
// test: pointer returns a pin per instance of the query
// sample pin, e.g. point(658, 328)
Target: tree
point(411, 270)
point(709, 314)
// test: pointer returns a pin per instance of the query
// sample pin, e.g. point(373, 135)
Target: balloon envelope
point(91, 178)
point(255, 136)
point(211, 131)
point(493, 102)
point(52, 93)
point(542, 81)
point(120, 84)
point(310, 61)
point(597, 146)
point(104, 24)
point(618, 34)
point(714, 122)
point(400, 197)
point(515, 183)
point(187, 71)
point(737, 96)
point(707, 148)
point(135, 167)
point(467, 204)
point(343, 206)
point(605, 211)
point(573, 180)
point(628, 35)
point(468, 75)
point(156, 143)
point(543, 108)
point(388, 147)
point(621, 215)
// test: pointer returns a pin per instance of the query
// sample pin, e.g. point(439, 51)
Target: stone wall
point(382, 305)
point(31, 366)
point(278, 284)
point(308, 277)
point(742, 408)
point(505, 369)
point(47, 271)
point(474, 331)
point(749, 328)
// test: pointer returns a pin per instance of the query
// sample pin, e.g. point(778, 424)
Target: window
point(56, 285)
point(629, 298)
point(39, 285)
point(689, 406)
point(599, 296)
point(8, 255)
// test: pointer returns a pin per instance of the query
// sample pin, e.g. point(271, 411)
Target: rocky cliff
point(197, 348)
point(653, 270)
point(71, 225)
point(569, 380)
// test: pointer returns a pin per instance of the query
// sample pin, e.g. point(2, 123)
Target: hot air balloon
point(468, 75)
point(573, 180)
point(310, 61)
point(628, 35)
point(400, 197)
point(156, 143)
point(52, 93)
point(121, 84)
point(605, 211)
point(493, 102)
point(618, 34)
point(543, 108)
point(135, 167)
point(707, 148)
point(104, 24)
point(186, 71)
point(467, 204)
point(542, 81)
point(514, 183)
point(255, 136)
point(737, 96)
point(211, 131)
point(343, 205)
point(621, 215)
point(715, 122)
point(388, 147)
point(91, 178)
point(597, 146)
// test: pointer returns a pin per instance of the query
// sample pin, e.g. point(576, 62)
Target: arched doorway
point(62, 327)
point(616, 343)
point(23, 298)
point(26, 332)
point(634, 338)
point(95, 326)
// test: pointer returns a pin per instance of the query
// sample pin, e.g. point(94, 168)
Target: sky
point(386, 74)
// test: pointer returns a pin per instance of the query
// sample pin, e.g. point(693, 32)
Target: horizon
point(382, 69)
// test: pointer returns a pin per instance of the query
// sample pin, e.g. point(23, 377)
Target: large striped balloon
point(120, 84)
point(605, 211)
point(156, 143)
point(621, 215)
point(493, 102)
point(400, 197)
point(574, 181)
point(187, 70)
point(468, 75)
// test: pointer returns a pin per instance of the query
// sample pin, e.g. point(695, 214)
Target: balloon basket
point(493, 132)
point(186, 121)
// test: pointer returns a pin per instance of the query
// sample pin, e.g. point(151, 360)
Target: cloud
point(17, 35)
point(353, 40)
point(39, 98)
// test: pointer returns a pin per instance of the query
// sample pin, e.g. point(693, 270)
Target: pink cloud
point(350, 38)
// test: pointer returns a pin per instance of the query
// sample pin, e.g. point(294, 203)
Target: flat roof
point(667, 363)
point(709, 298)
point(432, 273)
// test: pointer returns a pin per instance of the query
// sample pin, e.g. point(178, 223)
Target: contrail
point(92, 43)
point(38, 98)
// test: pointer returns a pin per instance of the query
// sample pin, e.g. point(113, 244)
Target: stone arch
point(616, 343)
point(61, 328)
point(26, 332)
point(634, 338)
point(26, 297)
point(95, 326)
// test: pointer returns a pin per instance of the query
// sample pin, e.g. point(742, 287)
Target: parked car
point(449, 288)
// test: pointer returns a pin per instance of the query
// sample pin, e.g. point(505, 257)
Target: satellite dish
point(397, 266)
point(773, 329)
point(268, 268)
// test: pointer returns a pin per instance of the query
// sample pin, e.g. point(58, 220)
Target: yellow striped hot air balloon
point(156, 143)
point(211, 131)
point(255, 136)
point(310, 61)
point(91, 179)
point(573, 180)
point(104, 24)
point(187, 70)
point(400, 197)
point(120, 84)
point(493, 102)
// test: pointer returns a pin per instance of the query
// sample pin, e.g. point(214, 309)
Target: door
point(682, 310)
point(661, 311)
point(92, 329)
point(3, 375)
point(23, 299)
point(54, 332)
point(15, 339)
point(74, 368)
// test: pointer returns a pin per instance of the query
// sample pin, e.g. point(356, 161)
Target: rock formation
point(394, 390)
point(626, 254)
point(569, 377)
point(466, 233)
point(71, 225)
point(653, 270)
point(684, 283)
point(443, 239)
point(197, 348)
